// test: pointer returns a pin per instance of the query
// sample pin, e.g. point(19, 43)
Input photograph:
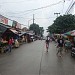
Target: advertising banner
point(10, 22)
point(3, 20)
point(18, 25)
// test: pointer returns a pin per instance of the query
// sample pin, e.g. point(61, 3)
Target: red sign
point(18, 25)
point(3, 20)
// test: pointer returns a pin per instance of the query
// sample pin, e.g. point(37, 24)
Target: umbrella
point(68, 33)
point(73, 34)
point(0, 31)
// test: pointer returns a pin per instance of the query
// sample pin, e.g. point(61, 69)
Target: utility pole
point(33, 19)
point(28, 22)
point(56, 14)
point(64, 0)
point(71, 8)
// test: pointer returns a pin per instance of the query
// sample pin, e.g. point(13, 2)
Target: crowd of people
point(8, 44)
point(61, 44)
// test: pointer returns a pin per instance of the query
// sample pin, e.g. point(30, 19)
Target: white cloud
point(9, 7)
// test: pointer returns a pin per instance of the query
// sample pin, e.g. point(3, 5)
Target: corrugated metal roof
point(22, 33)
point(14, 31)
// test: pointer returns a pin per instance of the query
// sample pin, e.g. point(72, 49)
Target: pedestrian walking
point(67, 45)
point(13, 42)
point(60, 42)
point(56, 40)
point(16, 43)
point(47, 43)
point(50, 39)
point(10, 44)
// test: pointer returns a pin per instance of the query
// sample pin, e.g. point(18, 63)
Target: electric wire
point(39, 8)
point(11, 2)
point(69, 7)
point(36, 9)
point(63, 7)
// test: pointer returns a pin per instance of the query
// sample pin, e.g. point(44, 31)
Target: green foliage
point(63, 24)
point(41, 31)
point(38, 30)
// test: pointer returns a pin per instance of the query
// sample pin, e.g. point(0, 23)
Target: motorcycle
point(73, 51)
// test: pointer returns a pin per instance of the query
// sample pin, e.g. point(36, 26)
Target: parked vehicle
point(73, 52)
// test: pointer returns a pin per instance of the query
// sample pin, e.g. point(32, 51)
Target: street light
point(56, 14)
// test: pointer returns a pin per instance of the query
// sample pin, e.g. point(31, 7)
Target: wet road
point(32, 59)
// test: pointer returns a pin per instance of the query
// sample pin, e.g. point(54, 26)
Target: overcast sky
point(18, 10)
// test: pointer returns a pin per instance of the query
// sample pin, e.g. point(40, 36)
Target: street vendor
point(16, 43)
point(67, 44)
point(10, 44)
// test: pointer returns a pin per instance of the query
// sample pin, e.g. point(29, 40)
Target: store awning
point(30, 34)
point(0, 31)
point(14, 31)
point(22, 33)
point(68, 33)
point(3, 27)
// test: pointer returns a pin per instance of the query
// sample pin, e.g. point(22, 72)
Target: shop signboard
point(3, 20)
point(18, 25)
point(14, 24)
point(10, 22)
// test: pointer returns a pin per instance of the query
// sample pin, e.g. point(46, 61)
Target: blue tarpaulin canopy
point(68, 33)
point(22, 33)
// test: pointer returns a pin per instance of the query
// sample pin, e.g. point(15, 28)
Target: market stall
point(11, 33)
point(3, 41)
point(22, 38)
point(30, 37)
point(71, 36)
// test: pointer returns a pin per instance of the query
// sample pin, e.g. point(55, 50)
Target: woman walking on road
point(47, 43)
point(60, 42)
point(10, 44)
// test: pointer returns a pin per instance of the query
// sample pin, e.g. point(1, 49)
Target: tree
point(63, 24)
point(41, 31)
point(37, 30)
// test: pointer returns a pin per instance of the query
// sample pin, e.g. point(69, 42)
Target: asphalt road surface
point(32, 59)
